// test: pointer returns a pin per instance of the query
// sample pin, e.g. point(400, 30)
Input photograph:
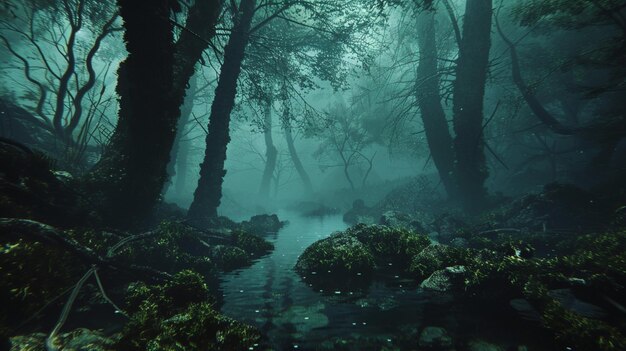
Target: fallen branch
point(19, 228)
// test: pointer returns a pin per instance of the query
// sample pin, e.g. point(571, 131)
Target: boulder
point(262, 225)
point(449, 279)
point(359, 213)
point(435, 257)
point(398, 219)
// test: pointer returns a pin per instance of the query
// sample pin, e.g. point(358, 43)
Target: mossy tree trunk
point(127, 181)
point(208, 193)
point(429, 101)
point(469, 90)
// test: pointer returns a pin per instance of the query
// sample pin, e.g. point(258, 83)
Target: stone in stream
point(445, 280)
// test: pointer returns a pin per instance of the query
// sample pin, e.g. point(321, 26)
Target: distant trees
point(588, 76)
point(344, 139)
point(314, 16)
point(54, 48)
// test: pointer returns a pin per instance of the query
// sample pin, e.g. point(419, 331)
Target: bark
point(304, 176)
point(271, 153)
point(128, 180)
point(469, 90)
point(429, 101)
point(208, 193)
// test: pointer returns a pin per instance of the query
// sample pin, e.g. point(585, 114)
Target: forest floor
point(69, 282)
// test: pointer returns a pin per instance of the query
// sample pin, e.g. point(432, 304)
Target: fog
point(313, 174)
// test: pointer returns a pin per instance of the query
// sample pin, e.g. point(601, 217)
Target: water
point(272, 297)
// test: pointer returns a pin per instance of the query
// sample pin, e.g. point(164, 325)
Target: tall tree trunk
point(128, 180)
point(304, 176)
point(177, 149)
point(270, 153)
point(469, 90)
point(208, 194)
point(429, 101)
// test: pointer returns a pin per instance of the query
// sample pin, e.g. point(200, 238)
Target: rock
point(558, 206)
point(63, 176)
point(435, 257)
point(398, 219)
point(359, 213)
point(435, 338)
point(340, 254)
point(262, 225)
point(445, 280)
point(481, 345)
point(353, 255)
point(448, 227)
point(228, 258)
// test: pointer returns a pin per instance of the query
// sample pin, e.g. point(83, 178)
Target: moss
point(389, 244)
point(179, 315)
point(347, 260)
point(575, 331)
point(175, 247)
point(341, 254)
point(228, 258)
point(32, 274)
point(596, 260)
point(435, 257)
point(251, 244)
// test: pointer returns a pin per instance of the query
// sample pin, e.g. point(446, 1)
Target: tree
point(346, 140)
point(129, 178)
point(469, 89)
point(271, 153)
point(209, 191)
point(429, 101)
point(62, 75)
point(583, 66)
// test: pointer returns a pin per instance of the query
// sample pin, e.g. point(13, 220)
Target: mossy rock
point(175, 247)
point(179, 315)
point(347, 260)
point(435, 257)
point(262, 225)
point(253, 245)
point(228, 258)
point(340, 254)
point(388, 244)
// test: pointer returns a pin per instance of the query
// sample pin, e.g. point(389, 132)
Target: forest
point(353, 175)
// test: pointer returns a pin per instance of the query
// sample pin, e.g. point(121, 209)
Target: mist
point(313, 174)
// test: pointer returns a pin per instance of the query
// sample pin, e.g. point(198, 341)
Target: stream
point(272, 297)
